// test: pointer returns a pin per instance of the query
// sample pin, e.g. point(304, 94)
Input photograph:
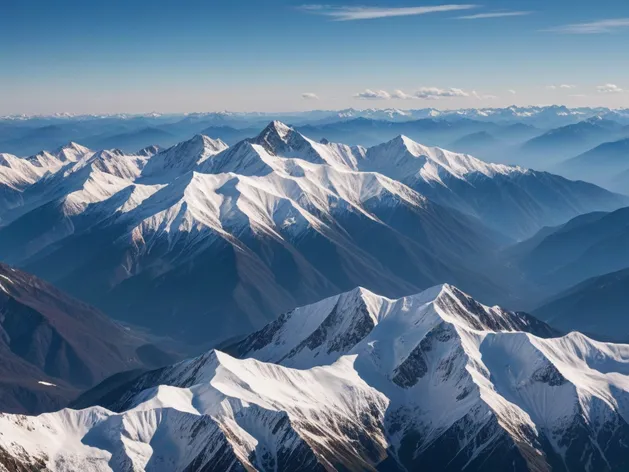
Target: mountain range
point(604, 165)
point(358, 381)
point(25, 135)
point(272, 222)
point(553, 147)
point(595, 306)
point(587, 246)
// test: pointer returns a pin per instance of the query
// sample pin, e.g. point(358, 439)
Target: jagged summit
point(71, 152)
point(149, 151)
point(278, 138)
point(359, 315)
point(183, 157)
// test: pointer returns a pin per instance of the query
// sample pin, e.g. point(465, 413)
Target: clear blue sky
point(180, 56)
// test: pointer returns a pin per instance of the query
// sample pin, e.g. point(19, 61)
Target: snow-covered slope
point(172, 162)
point(515, 201)
point(434, 381)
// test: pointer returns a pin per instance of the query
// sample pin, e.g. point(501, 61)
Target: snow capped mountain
point(292, 220)
point(431, 380)
point(183, 157)
point(71, 152)
point(149, 151)
point(510, 199)
point(283, 141)
point(405, 160)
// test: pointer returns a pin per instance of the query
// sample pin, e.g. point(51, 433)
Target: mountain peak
point(71, 152)
point(183, 157)
point(350, 322)
point(149, 151)
point(274, 134)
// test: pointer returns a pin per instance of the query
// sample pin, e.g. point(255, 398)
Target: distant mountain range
point(558, 144)
point(54, 346)
point(23, 135)
point(358, 381)
point(598, 306)
point(272, 222)
point(607, 165)
point(588, 246)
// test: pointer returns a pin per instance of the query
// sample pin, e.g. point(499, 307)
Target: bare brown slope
point(53, 346)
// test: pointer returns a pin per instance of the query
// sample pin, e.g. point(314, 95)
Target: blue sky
point(264, 55)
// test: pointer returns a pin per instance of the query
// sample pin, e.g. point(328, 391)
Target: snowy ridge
point(405, 160)
point(434, 379)
point(183, 157)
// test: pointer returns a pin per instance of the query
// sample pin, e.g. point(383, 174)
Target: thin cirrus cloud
point(479, 96)
point(493, 14)
point(353, 13)
point(609, 88)
point(424, 93)
point(309, 96)
point(593, 27)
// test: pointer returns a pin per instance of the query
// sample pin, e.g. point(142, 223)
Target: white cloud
point(561, 86)
point(434, 93)
point(369, 94)
point(494, 14)
point(309, 96)
point(424, 93)
point(349, 13)
point(399, 94)
point(594, 27)
point(511, 91)
point(609, 88)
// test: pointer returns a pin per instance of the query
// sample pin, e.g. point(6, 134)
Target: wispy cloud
point(309, 96)
point(594, 27)
point(512, 92)
point(609, 88)
point(479, 96)
point(494, 14)
point(351, 13)
point(369, 94)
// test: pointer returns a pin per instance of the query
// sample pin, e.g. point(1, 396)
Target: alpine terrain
point(270, 223)
point(433, 381)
